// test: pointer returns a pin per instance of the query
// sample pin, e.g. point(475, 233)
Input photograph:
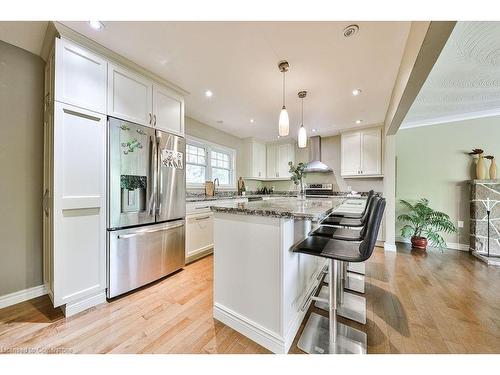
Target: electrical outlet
point(460, 224)
point(349, 188)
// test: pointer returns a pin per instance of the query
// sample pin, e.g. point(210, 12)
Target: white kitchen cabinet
point(199, 226)
point(78, 206)
point(350, 153)
point(278, 156)
point(272, 160)
point(371, 155)
point(137, 99)
point(168, 110)
point(80, 77)
point(130, 96)
point(74, 193)
point(286, 154)
point(255, 159)
point(199, 235)
point(361, 153)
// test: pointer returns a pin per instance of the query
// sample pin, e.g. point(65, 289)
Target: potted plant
point(423, 224)
point(298, 173)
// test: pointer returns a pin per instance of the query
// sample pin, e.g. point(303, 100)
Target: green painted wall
point(432, 162)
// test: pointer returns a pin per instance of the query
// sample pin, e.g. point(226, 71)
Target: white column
point(390, 192)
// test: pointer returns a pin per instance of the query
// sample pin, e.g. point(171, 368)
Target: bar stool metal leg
point(322, 335)
point(353, 282)
point(350, 306)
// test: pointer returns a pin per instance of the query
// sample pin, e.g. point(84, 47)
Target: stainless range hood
point(315, 165)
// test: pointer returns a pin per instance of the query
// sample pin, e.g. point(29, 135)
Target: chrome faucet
point(215, 190)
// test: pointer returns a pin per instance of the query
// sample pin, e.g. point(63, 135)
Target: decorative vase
point(301, 189)
point(480, 168)
point(493, 170)
point(419, 242)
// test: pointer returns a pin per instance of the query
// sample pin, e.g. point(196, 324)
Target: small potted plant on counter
point(298, 174)
point(423, 225)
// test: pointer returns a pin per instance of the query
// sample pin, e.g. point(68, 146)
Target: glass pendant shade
point(302, 137)
point(283, 124)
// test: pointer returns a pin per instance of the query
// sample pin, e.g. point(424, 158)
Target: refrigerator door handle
point(168, 227)
point(158, 187)
point(154, 155)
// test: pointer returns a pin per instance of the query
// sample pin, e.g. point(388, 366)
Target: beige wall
point(21, 166)
point(330, 150)
point(432, 162)
point(205, 132)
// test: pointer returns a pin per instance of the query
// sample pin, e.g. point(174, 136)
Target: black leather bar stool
point(350, 221)
point(351, 281)
point(322, 335)
point(351, 215)
point(351, 306)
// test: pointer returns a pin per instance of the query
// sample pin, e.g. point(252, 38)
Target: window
point(208, 161)
point(196, 164)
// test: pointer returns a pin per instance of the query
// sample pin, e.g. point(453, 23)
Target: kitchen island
point(261, 287)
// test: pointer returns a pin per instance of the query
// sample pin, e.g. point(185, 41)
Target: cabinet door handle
point(154, 116)
point(202, 218)
point(201, 208)
point(150, 118)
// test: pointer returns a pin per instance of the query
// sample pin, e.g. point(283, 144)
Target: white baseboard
point(200, 254)
point(449, 245)
point(71, 309)
point(389, 246)
point(22, 295)
point(250, 329)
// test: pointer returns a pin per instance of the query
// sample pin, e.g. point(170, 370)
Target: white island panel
point(260, 284)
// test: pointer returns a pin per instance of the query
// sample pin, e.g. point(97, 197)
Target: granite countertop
point(228, 197)
point(294, 208)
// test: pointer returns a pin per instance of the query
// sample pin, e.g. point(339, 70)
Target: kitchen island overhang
point(261, 287)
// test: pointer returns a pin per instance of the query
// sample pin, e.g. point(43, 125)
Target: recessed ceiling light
point(359, 121)
point(252, 120)
point(314, 130)
point(209, 94)
point(356, 92)
point(96, 25)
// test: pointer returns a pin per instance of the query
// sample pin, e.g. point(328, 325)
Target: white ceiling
point(27, 35)
point(465, 81)
point(238, 62)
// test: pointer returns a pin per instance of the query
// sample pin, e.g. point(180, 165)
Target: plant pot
point(419, 242)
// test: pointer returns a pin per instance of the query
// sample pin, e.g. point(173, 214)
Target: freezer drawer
point(141, 255)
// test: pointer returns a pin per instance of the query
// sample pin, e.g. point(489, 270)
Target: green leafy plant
point(423, 221)
point(297, 172)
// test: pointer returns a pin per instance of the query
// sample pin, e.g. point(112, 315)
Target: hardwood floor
point(416, 303)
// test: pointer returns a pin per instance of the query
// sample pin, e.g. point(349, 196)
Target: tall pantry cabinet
point(74, 197)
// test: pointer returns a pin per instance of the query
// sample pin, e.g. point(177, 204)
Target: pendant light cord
point(284, 89)
point(302, 119)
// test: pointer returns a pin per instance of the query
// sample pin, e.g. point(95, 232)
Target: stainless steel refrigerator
point(146, 205)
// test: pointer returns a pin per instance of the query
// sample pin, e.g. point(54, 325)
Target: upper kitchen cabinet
point(278, 156)
point(80, 77)
point(255, 159)
point(361, 153)
point(168, 110)
point(135, 98)
point(130, 96)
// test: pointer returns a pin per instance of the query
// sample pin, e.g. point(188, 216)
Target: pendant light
point(302, 131)
point(283, 123)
